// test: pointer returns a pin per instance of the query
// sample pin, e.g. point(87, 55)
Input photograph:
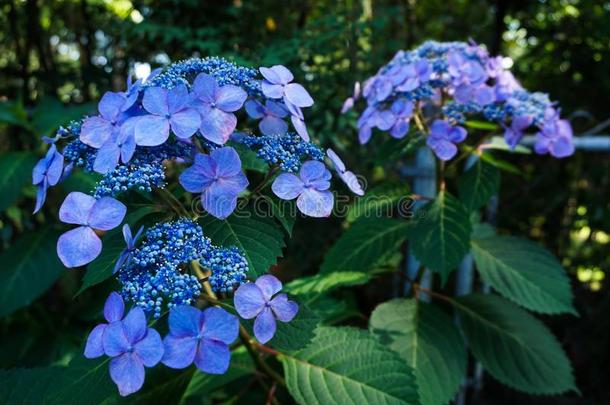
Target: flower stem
point(250, 345)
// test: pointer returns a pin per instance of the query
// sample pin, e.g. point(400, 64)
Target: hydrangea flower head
point(114, 308)
point(82, 245)
point(259, 300)
point(310, 188)
point(200, 337)
point(47, 172)
point(555, 138)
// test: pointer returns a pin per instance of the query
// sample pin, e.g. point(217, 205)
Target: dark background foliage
point(58, 57)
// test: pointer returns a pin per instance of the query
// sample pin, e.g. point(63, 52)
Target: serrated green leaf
point(478, 184)
point(441, 235)
point(297, 333)
point(260, 238)
point(324, 283)
point(15, 172)
point(249, 159)
point(378, 201)
point(499, 143)
point(364, 244)
point(513, 346)
point(29, 267)
point(524, 272)
point(348, 366)
point(426, 338)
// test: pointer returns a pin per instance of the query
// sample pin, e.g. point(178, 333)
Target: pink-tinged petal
point(205, 87)
point(230, 98)
point(114, 308)
point(107, 213)
point(212, 357)
point(94, 346)
point(272, 90)
point(352, 182)
point(177, 98)
point(271, 125)
point(284, 309)
point(185, 321)
point(107, 157)
point(76, 208)
point(249, 300)
point(227, 160)
point(95, 131)
point(114, 340)
point(255, 109)
point(271, 75)
point(297, 95)
point(155, 101)
point(264, 326)
point(364, 134)
point(217, 202)
point(134, 325)
point(127, 372)
point(314, 203)
point(179, 351)
point(300, 127)
point(287, 186)
point(151, 130)
point(217, 125)
point(110, 105)
point(269, 285)
point(313, 170)
point(348, 104)
point(337, 162)
point(185, 123)
point(150, 348)
point(78, 247)
point(220, 325)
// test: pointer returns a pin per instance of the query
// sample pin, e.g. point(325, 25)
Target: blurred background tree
point(57, 57)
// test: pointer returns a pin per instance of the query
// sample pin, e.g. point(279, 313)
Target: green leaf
point(498, 143)
point(441, 235)
point(15, 172)
point(324, 283)
point(50, 113)
point(365, 244)
point(297, 333)
point(378, 201)
point(249, 159)
point(29, 267)
point(348, 366)
point(13, 112)
point(426, 338)
point(478, 184)
point(484, 125)
point(394, 149)
point(260, 238)
point(516, 348)
point(524, 272)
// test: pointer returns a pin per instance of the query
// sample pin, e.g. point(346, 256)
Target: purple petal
point(134, 325)
point(179, 351)
point(155, 101)
point(94, 347)
point(120, 261)
point(76, 208)
point(440, 129)
point(248, 300)
point(185, 123)
point(177, 98)
point(457, 134)
point(218, 202)
point(445, 150)
point(364, 134)
point(220, 325)
point(106, 214)
point(271, 125)
point(115, 341)
point(269, 285)
point(287, 186)
point(337, 162)
point(297, 95)
point(562, 147)
point(284, 309)
point(383, 89)
point(316, 203)
point(205, 87)
point(264, 326)
point(385, 120)
point(400, 129)
point(78, 247)
point(255, 109)
point(128, 148)
point(212, 357)
point(150, 349)
point(313, 170)
point(283, 73)
point(352, 182)
point(107, 157)
point(484, 95)
point(227, 160)
point(185, 321)
point(110, 105)
point(55, 168)
point(95, 131)
point(127, 235)
point(41, 195)
point(230, 98)
point(127, 372)
point(195, 179)
point(114, 308)
point(348, 104)
point(276, 109)
point(522, 122)
point(217, 125)
point(299, 126)
point(272, 90)
point(152, 130)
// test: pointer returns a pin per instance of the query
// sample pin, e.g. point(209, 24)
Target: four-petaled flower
point(397, 118)
point(348, 177)
point(514, 133)
point(130, 245)
point(97, 130)
point(464, 70)
point(310, 188)
point(114, 309)
point(47, 172)
point(119, 147)
point(202, 337)
point(216, 105)
point(167, 109)
point(271, 113)
point(219, 179)
point(132, 346)
point(81, 245)
point(555, 136)
point(444, 137)
point(256, 300)
point(411, 76)
point(277, 85)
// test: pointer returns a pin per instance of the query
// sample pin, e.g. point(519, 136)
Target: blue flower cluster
point(464, 81)
point(228, 266)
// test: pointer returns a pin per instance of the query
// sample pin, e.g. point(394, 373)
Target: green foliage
point(297, 333)
point(441, 235)
point(516, 348)
point(426, 338)
point(326, 282)
point(29, 267)
point(523, 272)
point(378, 201)
point(15, 172)
point(478, 184)
point(348, 366)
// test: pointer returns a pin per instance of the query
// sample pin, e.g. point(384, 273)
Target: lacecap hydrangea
point(192, 114)
point(440, 85)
